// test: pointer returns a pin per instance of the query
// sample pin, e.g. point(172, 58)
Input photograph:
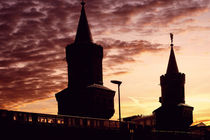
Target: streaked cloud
point(33, 36)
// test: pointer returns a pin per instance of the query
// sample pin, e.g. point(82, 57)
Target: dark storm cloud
point(33, 36)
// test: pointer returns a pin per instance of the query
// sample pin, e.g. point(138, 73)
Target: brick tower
point(85, 95)
point(173, 114)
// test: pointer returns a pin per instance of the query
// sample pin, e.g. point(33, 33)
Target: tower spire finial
point(83, 34)
point(171, 35)
point(83, 3)
point(172, 65)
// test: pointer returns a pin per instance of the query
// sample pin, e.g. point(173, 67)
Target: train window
point(106, 123)
point(148, 122)
point(131, 131)
point(98, 123)
point(43, 120)
point(88, 123)
point(117, 124)
point(29, 118)
point(53, 120)
point(49, 120)
point(69, 122)
point(80, 122)
point(142, 123)
point(25, 117)
point(60, 121)
point(15, 117)
point(94, 124)
point(152, 122)
point(73, 121)
point(39, 119)
point(111, 124)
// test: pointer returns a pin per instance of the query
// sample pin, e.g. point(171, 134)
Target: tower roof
point(172, 65)
point(83, 34)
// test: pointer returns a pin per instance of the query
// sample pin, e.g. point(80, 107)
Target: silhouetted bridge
point(23, 125)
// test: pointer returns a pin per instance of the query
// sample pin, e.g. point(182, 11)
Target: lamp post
point(118, 83)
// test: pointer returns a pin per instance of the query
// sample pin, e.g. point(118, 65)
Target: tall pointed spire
point(172, 65)
point(83, 34)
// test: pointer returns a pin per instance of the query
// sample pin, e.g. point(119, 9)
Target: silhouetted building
point(173, 114)
point(144, 121)
point(85, 95)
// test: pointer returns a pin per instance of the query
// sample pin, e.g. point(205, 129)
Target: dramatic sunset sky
point(135, 37)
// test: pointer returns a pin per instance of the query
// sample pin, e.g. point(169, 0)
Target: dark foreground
point(31, 126)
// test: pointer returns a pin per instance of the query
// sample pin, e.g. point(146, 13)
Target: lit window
point(14, 118)
point(88, 122)
point(29, 118)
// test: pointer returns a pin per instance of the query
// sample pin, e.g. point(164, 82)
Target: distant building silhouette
point(173, 114)
point(85, 95)
point(144, 121)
